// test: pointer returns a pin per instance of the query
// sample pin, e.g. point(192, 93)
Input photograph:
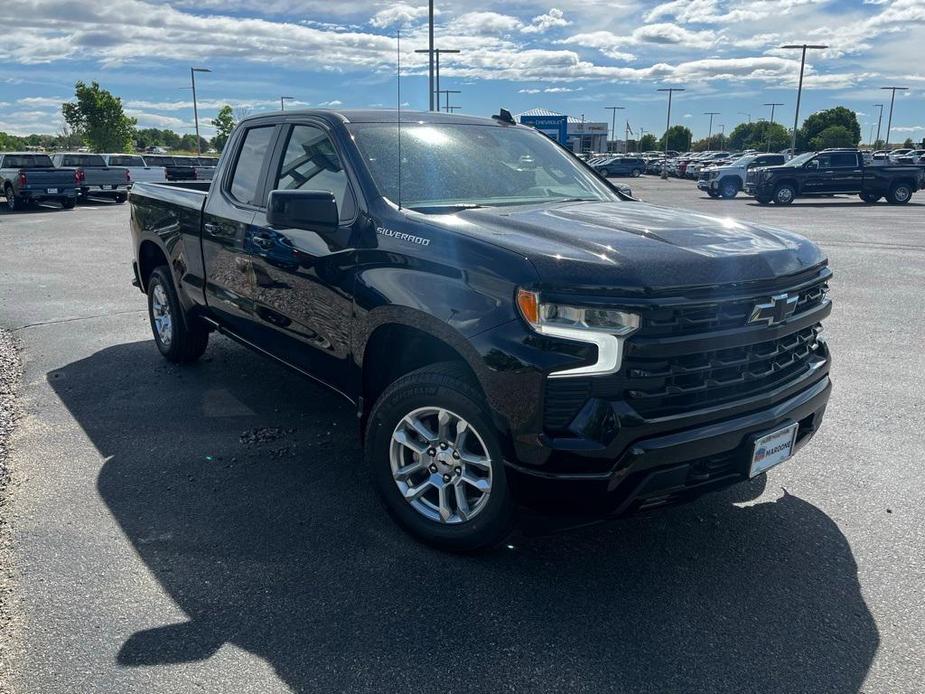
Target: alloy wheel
point(160, 311)
point(441, 465)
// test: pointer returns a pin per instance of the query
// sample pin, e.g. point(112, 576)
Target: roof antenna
point(398, 42)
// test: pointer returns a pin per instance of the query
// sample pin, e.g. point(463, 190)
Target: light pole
point(771, 127)
point(613, 124)
point(796, 113)
point(430, 46)
point(889, 123)
point(743, 113)
point(447, 92)
point(671, 91)
point(192, 75)
point(435, 53)
point(710, 131)
point(722, 135)
point(879, 120)
point(283, 100)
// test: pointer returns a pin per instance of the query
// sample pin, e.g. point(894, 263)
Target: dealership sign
point(555, 127)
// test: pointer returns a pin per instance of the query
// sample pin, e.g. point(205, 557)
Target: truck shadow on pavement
point(242, 488)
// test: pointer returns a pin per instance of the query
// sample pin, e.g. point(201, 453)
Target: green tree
point(833, 136)
point(908, 144)
point(98, 117)
point(756, 135)
point(647, 143)
point(817, 122)
point(678, 136)
point(224, 124)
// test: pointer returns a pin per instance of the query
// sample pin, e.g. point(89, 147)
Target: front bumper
point(671, 467)
point(706, 183)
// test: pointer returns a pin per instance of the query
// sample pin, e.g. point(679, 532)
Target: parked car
point(97, 179)
point(138, 168)
point(833, 172)
point(621, 166)
point(29, 178)
point(507, 335)
point(725, 181)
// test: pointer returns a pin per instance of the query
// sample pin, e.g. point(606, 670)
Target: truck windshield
point(800, 159)
point(452, 165)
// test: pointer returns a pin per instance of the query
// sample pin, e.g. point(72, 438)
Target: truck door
point(230, 209)
point(847, 173)
point(817, 175)
point(303, 293)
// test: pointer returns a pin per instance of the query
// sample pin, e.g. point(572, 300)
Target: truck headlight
point(604, 327)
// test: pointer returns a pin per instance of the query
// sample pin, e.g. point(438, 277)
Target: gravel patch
point(9, 378)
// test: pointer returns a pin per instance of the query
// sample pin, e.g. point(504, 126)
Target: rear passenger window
point(246, 176)
point(843, 161)
point(311, 163)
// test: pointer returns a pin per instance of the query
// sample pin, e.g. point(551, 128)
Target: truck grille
point(692, 319)
point(662, 387)
point(695, 377)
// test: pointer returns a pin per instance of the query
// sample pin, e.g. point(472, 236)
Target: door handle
point(211, 229)
point(262, 241)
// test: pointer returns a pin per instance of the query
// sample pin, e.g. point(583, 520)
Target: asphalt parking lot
point(210, 528)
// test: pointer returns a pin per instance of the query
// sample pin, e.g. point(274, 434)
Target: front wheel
point(69, 203)
point(728, 189)
point(435, 460)
point(605, 173)
point(636, 173)
point(179, 337)
point(784, 194)
point(899, 194)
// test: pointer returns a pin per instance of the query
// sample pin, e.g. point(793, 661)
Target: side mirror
point(314, 210)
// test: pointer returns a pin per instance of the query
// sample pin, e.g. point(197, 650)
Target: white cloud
point(485, 23)
point(54, 101)
point(331, 104)
point(544, 22)
point(401, 13)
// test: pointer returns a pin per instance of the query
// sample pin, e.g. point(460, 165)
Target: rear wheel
point(435, 460)
point(784, 194)
point(179, 337)
point(11, 203)
point(899, 194)
point(69, 203)
point(121, 198)
point(605, 173)
point(636, 173)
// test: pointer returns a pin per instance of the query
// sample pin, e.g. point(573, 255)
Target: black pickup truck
point(833, 172)
point(512, 330)
point(29, 178)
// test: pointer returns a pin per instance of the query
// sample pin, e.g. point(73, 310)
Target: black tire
point(121, 198)
point(69, 203)
point(637, 173)
point(728, 188)
point(605, 173)
point(900, 194)
point(188, 337)
point(12, 204)
point(447, 386)
point(784, 194)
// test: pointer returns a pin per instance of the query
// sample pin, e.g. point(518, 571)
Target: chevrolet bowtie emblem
point(778, 309)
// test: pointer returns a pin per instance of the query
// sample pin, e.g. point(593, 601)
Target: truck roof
point(382, 115)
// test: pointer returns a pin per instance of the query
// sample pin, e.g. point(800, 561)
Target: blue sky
point(573, 56)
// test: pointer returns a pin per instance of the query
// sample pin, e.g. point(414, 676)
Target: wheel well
point(787, 182)
point(150, 256)
point(395, 350)
point(907, 181)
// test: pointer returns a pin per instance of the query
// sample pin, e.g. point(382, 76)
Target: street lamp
point(710, 131)
point(671, 91)
point(613, 124)
point(435, 53)
point(447, 92)
point(771, 127)
point(889, 123)
point(283, 100)
point(879, 120)
point(192, 75)
point(796, 113)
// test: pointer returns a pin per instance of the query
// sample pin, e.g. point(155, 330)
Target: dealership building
point(578, 134)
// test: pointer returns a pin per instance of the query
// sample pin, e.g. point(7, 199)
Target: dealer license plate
point(773, 449)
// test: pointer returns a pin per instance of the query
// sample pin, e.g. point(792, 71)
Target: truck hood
point(637, 246)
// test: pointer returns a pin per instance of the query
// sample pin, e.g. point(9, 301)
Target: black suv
point(512, 330)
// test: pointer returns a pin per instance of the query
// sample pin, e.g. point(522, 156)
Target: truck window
point(311, 163)
point(246, 176)
point(88, 160)
point(38, 161)
point(126, 160)
point(843, 160)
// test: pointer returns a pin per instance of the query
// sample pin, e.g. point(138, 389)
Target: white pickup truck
point(137, 167)
point(95, 177)
point(726, 181)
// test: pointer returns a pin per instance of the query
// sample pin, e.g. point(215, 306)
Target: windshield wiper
point(439, 209)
